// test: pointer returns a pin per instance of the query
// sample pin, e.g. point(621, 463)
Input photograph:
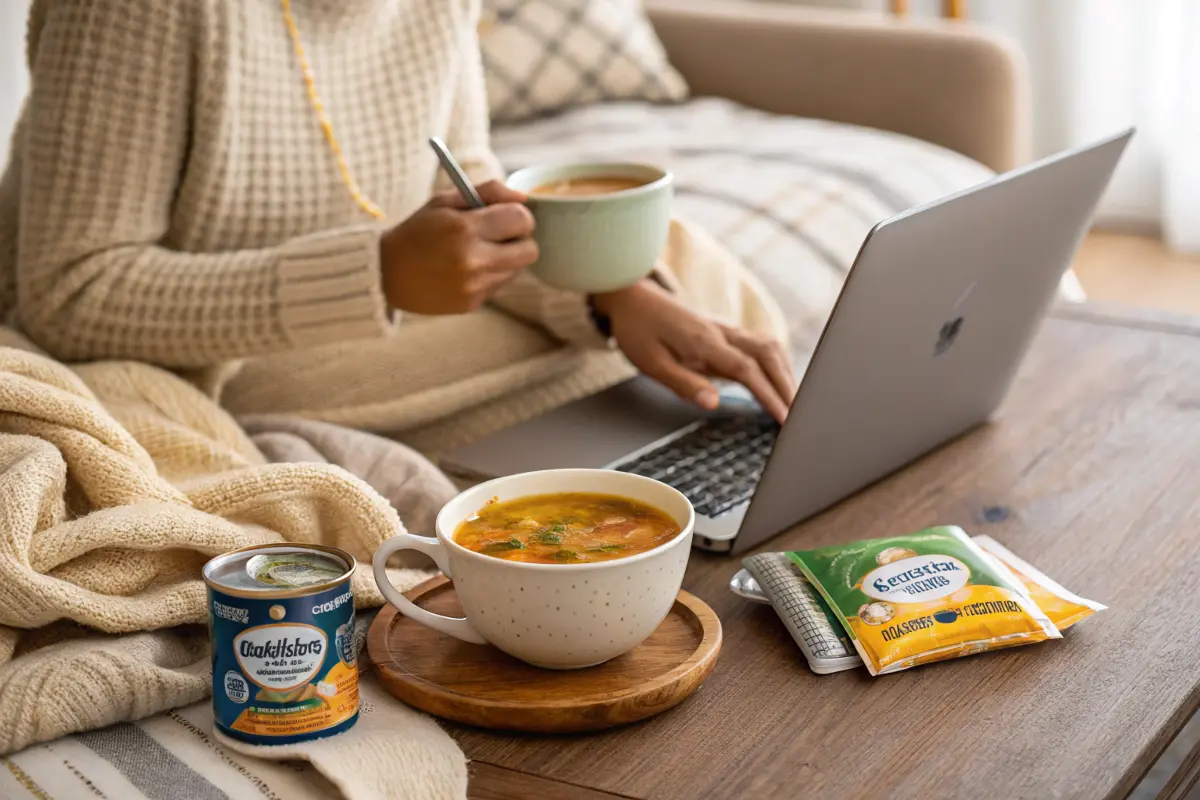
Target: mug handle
point(458, 627)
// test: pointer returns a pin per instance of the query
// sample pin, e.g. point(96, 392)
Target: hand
point(449, 259)
point(678, 348)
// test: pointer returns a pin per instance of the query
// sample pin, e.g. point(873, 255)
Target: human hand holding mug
point(448, 258)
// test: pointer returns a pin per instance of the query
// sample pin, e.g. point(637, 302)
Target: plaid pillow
point(543, 56)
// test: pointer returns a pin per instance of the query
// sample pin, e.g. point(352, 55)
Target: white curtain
point(1099, 65)
point(14, 79)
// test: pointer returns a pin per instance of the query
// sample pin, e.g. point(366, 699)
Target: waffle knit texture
point(118, 480)
point(170, 198)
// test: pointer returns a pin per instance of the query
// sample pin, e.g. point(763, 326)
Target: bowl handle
point(458, 627)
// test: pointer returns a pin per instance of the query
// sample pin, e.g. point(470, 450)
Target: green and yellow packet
point(923, 597)
point(1062, 606)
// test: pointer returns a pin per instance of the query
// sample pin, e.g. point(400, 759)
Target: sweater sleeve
point(106, 144)
point(564, 315)
point(467, 135)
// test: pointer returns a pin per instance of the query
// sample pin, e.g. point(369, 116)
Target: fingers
point(507, 256)
point(491, 193)
point(502, 219)
point(735, 364)
point(499, 223)
point(496, 192)
point(771, 356)
point(658, 363)
point(447, 199)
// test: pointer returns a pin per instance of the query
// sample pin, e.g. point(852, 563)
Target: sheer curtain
point(14, 79)
point(1099, 65)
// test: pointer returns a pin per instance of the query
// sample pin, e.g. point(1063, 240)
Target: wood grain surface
point(489, 782)
point(480, 685)
point(1091, 471)
point(1185, 784)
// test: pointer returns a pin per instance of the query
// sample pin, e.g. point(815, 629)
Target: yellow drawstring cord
point(310, 85)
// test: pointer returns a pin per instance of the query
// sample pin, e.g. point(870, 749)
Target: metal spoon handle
point(460, 179)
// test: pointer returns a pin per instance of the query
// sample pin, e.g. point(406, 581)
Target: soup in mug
point(584, 187)
point(568, 528)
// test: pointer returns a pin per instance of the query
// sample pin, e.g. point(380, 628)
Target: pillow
point(544, 56)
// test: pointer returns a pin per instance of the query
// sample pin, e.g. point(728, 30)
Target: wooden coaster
point(480, 685)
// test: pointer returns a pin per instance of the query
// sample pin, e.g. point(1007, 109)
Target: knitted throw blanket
point(117, 482)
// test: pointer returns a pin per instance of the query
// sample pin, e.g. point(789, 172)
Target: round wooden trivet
point(480, 685)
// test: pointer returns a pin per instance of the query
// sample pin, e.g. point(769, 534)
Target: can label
point(284, 668)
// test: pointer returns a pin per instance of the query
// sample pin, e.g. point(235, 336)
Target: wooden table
point(1092, 472)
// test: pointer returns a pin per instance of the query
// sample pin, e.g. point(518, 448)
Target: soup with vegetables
point(568, 528)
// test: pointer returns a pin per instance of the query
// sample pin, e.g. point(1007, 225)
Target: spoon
point(459, 178)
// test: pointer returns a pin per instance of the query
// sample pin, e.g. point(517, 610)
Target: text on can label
point(280, 656)
point(334, 604)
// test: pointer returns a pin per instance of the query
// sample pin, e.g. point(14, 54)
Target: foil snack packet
point(923, 597)
point(820, 635)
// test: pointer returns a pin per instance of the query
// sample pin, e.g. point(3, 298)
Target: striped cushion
point(792, 197)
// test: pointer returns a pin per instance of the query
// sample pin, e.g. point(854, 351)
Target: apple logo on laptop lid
point(947, 335)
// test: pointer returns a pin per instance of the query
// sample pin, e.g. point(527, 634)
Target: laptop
point(930, 327)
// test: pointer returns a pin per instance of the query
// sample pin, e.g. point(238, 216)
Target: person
point(242, 191)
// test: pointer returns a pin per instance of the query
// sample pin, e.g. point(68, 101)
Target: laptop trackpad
point(592, 432)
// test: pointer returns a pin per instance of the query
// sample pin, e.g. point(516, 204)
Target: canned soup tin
point(283, 658)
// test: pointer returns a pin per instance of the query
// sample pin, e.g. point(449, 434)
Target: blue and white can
point(282, 631)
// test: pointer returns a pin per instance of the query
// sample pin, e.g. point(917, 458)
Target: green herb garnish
point(500, 547)
point(546, 536)
point(608, 548)
point(566, 555)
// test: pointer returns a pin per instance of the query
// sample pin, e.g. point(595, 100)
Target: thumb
point(449, 198)
point(491, 193)
point(496, 192)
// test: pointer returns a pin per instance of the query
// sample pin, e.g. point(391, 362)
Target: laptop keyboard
point(715, 465)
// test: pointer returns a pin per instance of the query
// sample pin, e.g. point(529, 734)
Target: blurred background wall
point(14, 79)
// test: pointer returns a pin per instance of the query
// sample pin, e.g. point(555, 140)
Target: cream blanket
point(117, 482)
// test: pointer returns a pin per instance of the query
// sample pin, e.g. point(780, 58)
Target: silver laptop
point(933, 320)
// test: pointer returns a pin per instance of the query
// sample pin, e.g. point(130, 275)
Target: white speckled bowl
point(598, 243)
point(559, 616)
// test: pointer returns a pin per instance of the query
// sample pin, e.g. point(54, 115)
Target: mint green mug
point(597, 242)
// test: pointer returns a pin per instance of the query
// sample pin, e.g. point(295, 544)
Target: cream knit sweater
point(171, 199)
